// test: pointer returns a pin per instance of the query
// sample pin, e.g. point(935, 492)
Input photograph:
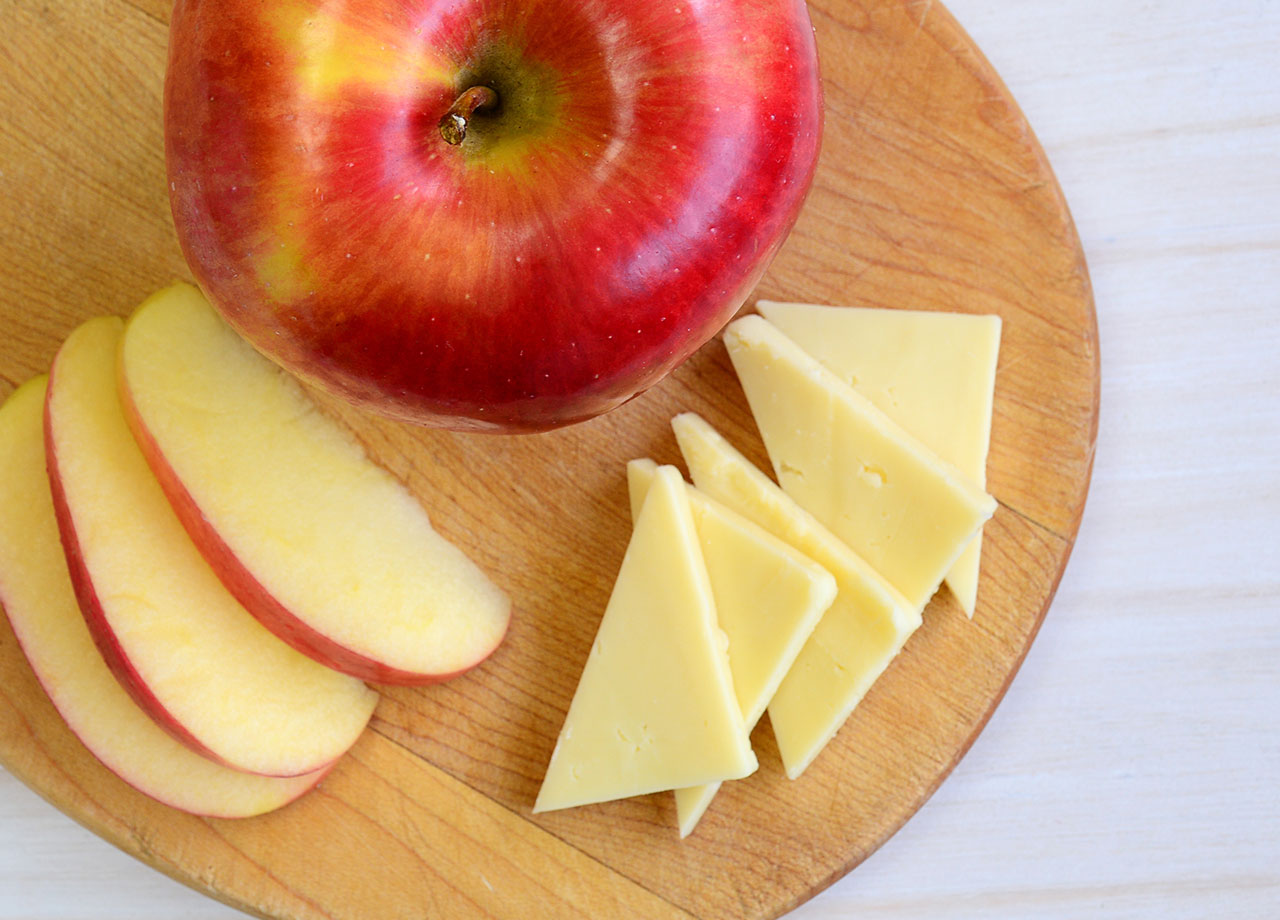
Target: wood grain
point(932, 193)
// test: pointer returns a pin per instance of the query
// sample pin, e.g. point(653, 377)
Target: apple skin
point(643, 165)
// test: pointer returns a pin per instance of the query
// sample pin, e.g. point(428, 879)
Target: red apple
point(628, 170)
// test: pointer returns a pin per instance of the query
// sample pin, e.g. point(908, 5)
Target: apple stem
point(453, 126)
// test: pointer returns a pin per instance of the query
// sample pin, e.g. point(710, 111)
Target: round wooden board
point(932, 193)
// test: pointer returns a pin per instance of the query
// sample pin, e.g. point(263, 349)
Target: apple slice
point(324, 547)
point(41, 605)
point(192, 657)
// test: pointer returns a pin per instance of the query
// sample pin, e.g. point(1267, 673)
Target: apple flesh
point(628, 171)
point(41, 605)
point(324, 547)
point(189, 654)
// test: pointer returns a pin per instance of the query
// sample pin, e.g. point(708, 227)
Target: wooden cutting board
point(932, 193)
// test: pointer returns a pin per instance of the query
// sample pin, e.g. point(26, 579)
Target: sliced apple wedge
point(191, 656)
point(41, 604)
point(323, 546)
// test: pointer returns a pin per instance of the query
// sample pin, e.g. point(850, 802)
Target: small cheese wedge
point(905, 511)
point(655, 708)
point(932, 373)
point(768, 598)
point(35, 587)
point(856, 639)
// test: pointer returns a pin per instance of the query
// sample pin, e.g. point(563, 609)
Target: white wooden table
point(1133, 770)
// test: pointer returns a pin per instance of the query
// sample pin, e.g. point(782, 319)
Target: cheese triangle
point(902, 509)
point(768, 598)
point(858, 636)
point(932, 373)
point(655, 707)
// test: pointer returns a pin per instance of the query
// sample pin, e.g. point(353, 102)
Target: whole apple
point(503, 215)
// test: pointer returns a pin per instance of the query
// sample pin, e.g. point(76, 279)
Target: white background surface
point(1133, 770)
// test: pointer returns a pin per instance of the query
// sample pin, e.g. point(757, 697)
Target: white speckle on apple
point(518, 259)
point(426, 257)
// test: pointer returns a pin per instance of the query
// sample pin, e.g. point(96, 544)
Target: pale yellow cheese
point(905, 511)
point(857, 637)
point(768, 599)
point(655, 707)
point(932, 373)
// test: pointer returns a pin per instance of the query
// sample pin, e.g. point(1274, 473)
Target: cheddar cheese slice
point(858, 636)
point(932, 373)
point(768, 598)
point(655, 707)
point(905, 511)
